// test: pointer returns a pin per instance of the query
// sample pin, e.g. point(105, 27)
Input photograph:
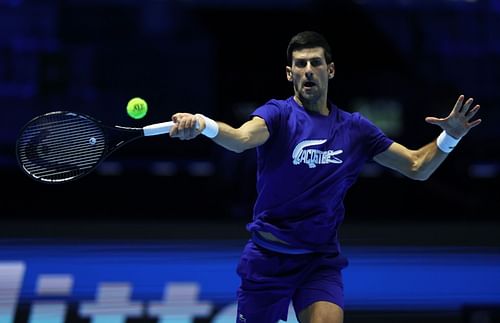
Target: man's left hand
point(458, 123)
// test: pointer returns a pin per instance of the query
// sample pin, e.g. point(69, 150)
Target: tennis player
point(309, 152)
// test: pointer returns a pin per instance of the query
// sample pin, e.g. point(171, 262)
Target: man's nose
point(308, 70)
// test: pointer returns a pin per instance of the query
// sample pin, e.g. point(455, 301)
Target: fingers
point(458, 104)
point(466, 106)
point(184, 126)
point(464, 110)
point(433, 120)
point(462, 107)
point(470, 114)
point(474, 123)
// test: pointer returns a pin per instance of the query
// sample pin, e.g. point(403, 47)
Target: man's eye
point(300, 64)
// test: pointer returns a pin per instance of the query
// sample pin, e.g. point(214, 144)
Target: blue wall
point(199, 277)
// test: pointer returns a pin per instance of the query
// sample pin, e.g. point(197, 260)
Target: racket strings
point(60, 147)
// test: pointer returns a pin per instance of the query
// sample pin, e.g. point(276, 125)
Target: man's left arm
point(421, 163)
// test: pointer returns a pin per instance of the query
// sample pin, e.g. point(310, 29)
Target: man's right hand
point(186, 126)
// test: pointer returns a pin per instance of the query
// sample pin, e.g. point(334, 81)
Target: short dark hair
point(308, 39)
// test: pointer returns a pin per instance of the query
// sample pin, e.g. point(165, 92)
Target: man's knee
point(322, 312)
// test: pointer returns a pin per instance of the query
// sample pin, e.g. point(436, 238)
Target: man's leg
point(322, 312)
point(264, 294)
point(320, 296)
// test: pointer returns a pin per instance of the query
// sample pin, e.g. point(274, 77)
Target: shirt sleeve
point(374, 139)
point(270, 112)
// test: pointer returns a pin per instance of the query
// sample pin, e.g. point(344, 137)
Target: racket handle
point(161, 128)
point(158, 128)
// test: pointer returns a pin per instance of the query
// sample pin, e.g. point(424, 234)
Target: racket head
point(63, 146)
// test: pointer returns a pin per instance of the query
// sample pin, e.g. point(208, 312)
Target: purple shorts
point(271, 280)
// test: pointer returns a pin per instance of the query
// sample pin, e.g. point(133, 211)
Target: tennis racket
point(63, 146)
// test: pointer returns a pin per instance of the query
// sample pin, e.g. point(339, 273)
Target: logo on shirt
point(314, 157)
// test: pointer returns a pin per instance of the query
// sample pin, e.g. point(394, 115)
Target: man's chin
point(308, 102)
point(309, 96)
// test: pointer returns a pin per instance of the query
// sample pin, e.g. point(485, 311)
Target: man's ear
point(289, 74)
point(331, 70)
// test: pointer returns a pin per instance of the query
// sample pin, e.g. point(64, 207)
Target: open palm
point(458, 123)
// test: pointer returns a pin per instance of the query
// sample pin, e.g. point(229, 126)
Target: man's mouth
point(309, 84)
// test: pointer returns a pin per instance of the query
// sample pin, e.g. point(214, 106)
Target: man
point(309, 152)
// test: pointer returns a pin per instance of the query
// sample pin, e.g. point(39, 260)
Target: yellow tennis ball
point(137, 108)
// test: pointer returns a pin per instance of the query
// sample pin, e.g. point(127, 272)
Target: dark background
point(396, 62)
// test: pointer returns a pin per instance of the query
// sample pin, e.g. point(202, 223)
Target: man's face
point(310, 73)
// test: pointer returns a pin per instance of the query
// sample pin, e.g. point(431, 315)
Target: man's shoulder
point(279, 102)
point(276, 106)
point(344, 114)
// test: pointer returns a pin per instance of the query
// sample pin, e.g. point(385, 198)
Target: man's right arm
point(251, 134)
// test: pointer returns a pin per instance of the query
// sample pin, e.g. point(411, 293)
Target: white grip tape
point(158, 128)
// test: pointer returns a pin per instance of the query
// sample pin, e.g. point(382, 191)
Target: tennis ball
point(137, 108)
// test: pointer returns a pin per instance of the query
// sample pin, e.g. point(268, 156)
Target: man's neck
point(320, 106)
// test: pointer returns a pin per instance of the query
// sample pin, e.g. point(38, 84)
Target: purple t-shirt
point(305, 169)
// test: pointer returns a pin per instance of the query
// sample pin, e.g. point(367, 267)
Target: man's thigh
point(268, 281)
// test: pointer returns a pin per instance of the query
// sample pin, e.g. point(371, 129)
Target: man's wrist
point(446, 143)
point(211, 127)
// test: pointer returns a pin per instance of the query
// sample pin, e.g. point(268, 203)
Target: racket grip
point(161, 128)
point(158, 128)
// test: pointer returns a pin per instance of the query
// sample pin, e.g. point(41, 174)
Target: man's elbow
point(241, 145)
point(419, 174)
point(237, 150)
point(244, 143)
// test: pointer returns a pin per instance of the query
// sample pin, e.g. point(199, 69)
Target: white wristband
point(446, 143)
point(211, 127)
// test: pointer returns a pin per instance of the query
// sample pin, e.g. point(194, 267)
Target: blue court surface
point(178, 280)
